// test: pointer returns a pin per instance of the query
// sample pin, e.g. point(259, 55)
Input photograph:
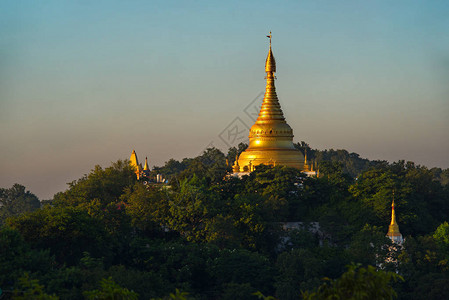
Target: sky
point(83, 83)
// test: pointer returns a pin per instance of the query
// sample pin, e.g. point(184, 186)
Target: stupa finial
point(269, 36)
point(270, 63)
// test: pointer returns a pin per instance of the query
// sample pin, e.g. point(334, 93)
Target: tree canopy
point(207, 235)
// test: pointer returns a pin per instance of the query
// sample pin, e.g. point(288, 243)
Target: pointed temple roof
point(133, 161)
point(393, 229)
point(146, 168)
point(271, 109)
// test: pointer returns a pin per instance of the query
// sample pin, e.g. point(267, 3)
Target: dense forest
point(205, 235)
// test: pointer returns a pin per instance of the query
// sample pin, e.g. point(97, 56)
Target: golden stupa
point(393, 230)
point(270, 138)
point(134, 163)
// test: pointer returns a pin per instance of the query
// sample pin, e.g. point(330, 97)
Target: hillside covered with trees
point(208, 236)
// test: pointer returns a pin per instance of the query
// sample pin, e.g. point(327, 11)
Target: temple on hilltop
point(138, 169)
point(393, 230)
point(271, 138)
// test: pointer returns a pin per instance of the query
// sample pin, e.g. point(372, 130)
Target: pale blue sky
point(85, 82)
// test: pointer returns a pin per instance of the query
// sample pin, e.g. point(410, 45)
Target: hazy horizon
point(84, 83)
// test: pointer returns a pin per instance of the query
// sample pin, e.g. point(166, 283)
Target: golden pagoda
point(146, 168)
point(393, 230)
point(134, 163)
point(270, 138)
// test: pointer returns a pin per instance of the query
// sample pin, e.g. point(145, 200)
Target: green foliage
point(210, 165)
point(417, 196)
point(66, 231)
point(423, 262)
point(370, 246)
point(262, 296)
point(31, 289)
point(217, 237)
point(441, 175)
point(145, 206)
point(297, 269)
point(177, 295)
point(110, 290)
point(172, 167)
point(357, 283)
point(241, 267)
point(279, 187)
point(16, 257)
point(441, 235)
point(147, 284)
point(188, 209)
point(16, 201)
point(351, 163)
point(233, 291)
point(103, 185)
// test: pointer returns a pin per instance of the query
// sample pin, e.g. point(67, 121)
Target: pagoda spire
point(134, 163)
point(270, 63)
point(393, 230)
point(271, 109)
point(146, 168)
point(393, 216)
point(133, 159)
point(306, 165)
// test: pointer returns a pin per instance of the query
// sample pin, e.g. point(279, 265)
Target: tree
point(242, 267)
point(172, 167)
point(188, 209)
point(370, 246)
point(146, 205)
point(211, 165)
point(16, 257)
point(16, 201)
point(147, 284)
point(420, 201)
point(110, 290)
point(298, 269)
point(357, 283)
point(66, 231)
point(424, 264)
point(103, 185)
point(232, 291)
point(278, 189)
point(441, 235)
point(31, 289)
point(234, 152)
point(351, 163)
point(177, 295)
point(220, 237)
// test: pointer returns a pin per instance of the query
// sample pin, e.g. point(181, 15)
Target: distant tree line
point(209, 236)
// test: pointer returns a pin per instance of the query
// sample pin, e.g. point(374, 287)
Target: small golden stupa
point(393, 230)
point(270, 138)
point(134, 163)
point(146, 167)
